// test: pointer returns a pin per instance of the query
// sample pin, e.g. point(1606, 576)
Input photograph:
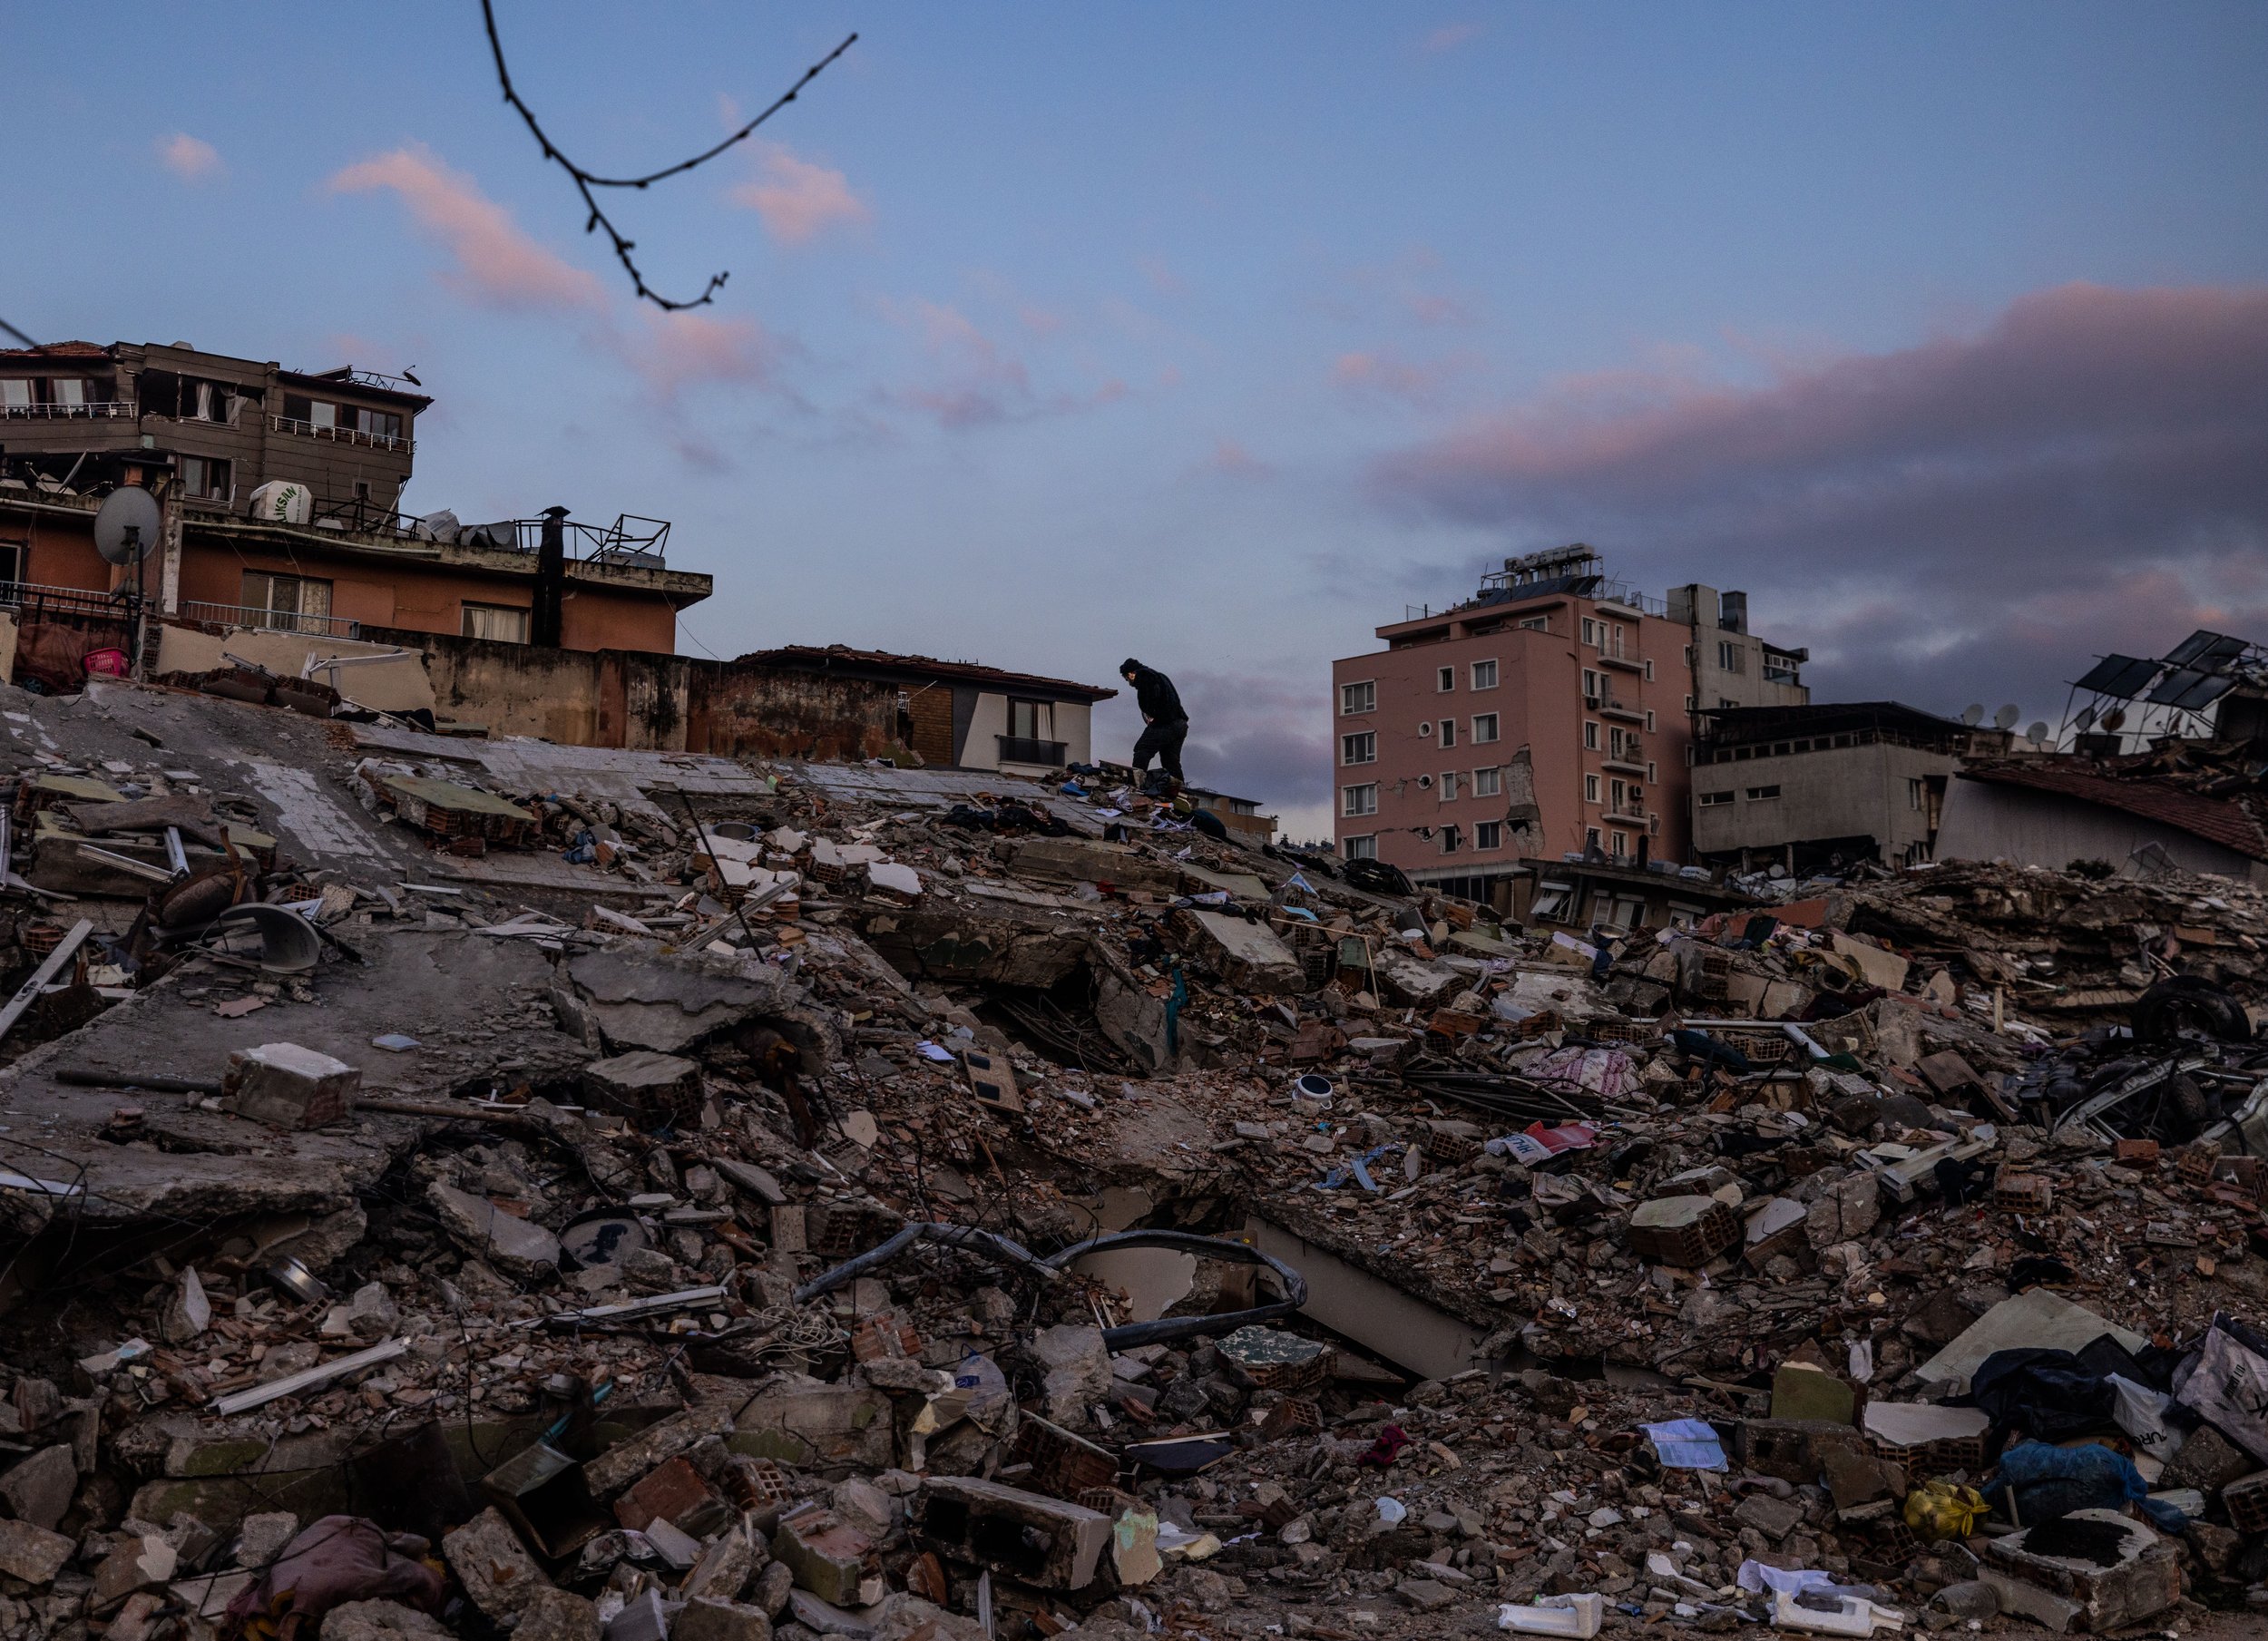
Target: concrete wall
point(1831, 793)
point(1714, 686)
point(394, 686)
point(1985, 820)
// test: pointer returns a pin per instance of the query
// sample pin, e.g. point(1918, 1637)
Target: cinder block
point(1028, 1537)
point(289, 1087)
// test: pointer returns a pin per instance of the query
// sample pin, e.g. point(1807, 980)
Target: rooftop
point(2234, 822)
point(1737, 726)
point(841, 657)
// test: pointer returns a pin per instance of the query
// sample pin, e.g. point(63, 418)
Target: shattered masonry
point(453, 1186)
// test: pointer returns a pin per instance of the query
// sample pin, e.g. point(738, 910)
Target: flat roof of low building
point(841, 657)
point(1734, 726)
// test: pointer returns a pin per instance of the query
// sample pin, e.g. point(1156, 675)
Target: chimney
point(1733, 611)
point(551, 581)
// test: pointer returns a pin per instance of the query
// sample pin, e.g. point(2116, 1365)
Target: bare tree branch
point(585, 181)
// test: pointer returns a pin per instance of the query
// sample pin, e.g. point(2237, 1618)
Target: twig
point(585, 181)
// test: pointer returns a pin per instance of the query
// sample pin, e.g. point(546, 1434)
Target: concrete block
point(1075, 1365)
point(260, 1538)
point(2093, 1570)
point(1018, 1535)
point(139, 1562)
point(558, 1615)
point(818, 1424)
point(289, 1087)
point(1846, 1211)
point(827, 1556)
point(665, 1438)
point(1074, 860)
point(643, 1086)
point(373, 1621)
point(1249, 955)
point(517, 1248)
point(705, 1618)
point(40, 1488)
point(32, 1553)
point(499, 1575)
point(726, 1567)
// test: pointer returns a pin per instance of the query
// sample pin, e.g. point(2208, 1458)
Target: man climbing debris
point(1165, 724)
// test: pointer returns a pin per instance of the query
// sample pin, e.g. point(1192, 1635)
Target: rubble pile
point(467, 1187)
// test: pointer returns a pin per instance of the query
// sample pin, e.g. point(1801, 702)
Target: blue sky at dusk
point(1215, 335)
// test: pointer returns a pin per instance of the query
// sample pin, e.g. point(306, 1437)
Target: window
point(1449, 732)
point(1650, 776)
point(502, 623)
point(1913, 795)
point(1551, 902)
point(203, 476)
point(1590, 736)
point(1689, 708)
point(1758, 795)
point(1711, 800)
point(294, 602)
point(1649, 672)
point(16, 394)
point(1447, 792)
point(67, 390)
point(1592, 690)
point(1488, 783)
point(378, 424)
point(1615, 790)
point(1535, 623)
point(1425, 731)
point(1731, 657)
point(1591, 631)
point(313, 413)
point(1359, 800)
point(1027, 720)
point(1485, 675)
point(1488, 835)
point(1364, 847)
point(1618, 844)
point(1485, 729)
point(1450, 840)
point(1726, 700)
point(1359, 748)
point(1689, 656)
point(207, 401)
point(1590, 788)
point(1445, 679)
point(1357, 699)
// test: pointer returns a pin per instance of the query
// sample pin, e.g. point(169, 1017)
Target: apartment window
point(204, 476)
point(1445, 679)
point(1591, 632)
point(378, 424)
point(1488, 783)
point(1731, 657)
point(1726, 700)
point(502, 623)
point(1913, 795)
point(1649, 672)
point(1592, 689)
point(1027, 720)
point(16, 393)
point(1688, 657)
point(1364, 847)
point(1535, 623)
point(1488, 835)
point(291, 602)
point(1483, 728)
point(1618, 844)
point(1689, 708)
point(1551, 902)
point(1359, 748)
point(1712, 800)
point(1450, 840)
point(1590, 788)
point(1758, 795)
point(207, 401)
point(1615, 790)
point(1590, 735)
point(1449, 732)
point(1359, 800)
point(313, 413)
point(1649, 721)
point(1447, 792)
point(1650, 776)
point(1357, 699)
point(1485, 675)
point(67, 390)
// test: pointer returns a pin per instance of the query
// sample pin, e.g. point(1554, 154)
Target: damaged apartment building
point(1547, 716)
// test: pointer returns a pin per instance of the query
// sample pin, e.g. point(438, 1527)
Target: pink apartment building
point(1550, 715)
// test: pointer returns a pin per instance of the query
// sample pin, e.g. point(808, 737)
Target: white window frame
point(1649, 721)
point(1590, 788)
point(1590, 735)
point(1493, 731)
point(1535, 623)
point(1364, 742)
point(1553, 901)
point(1714, 800)
point(1444, 679)
point(1488, 781)
point(1762, 795)
point(1347, 698)
point(1483, 675)
point(1362, 847)
point(1487, 834)
point(1446, 792)
point(1359, 800)
point(1449, 733)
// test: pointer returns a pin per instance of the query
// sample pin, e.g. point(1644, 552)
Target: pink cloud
point(674, 351)
point(1162, 278)
point(191, 159)
point(1450, 36)
point(1230, 457)
point(797, 200)
point(1383, 374)
point(1978, 514)
point(495, 263)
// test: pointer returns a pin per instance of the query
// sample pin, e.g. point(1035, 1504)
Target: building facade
point(1817, 787)
point(1549, 715)
point(280, 492)
point(961, 715)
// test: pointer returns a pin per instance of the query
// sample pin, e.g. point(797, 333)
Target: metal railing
point(270, 621)
point(98, 410)
point(35, 596)
point(1025, 749)
point(1628, 750)
point(342, 435)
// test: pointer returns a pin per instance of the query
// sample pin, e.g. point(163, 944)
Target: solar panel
point(2124, 676)
point(2212, 689)
point(2201, 650)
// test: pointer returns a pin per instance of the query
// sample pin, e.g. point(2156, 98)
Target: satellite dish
point(2085, 720)
point(1973, 714)
point(2038, 733)
point(2006, 718)
point(126, 527)
point(2115, 719)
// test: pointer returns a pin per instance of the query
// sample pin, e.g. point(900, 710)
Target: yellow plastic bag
point(1940, 1509)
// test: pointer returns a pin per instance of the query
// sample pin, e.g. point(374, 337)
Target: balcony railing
point(33, 597)
point(270, 621)
point(1616, 654)
point(97, 410)
point(342, 435)
point(1025, 749)
point(1614, 709)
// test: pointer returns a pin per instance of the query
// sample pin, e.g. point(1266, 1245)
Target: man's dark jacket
point(1155, 694)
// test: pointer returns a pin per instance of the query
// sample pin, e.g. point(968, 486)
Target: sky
point(1217, 334)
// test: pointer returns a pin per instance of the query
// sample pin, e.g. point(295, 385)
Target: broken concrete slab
point(2037, 1316)
point(644, 1086)
point(827, 1556)
point(499, 1575)
point(1029, 1537)
point(811, 1423)
point(39, 1490)
point(1247, 956)
point(485, 1230)
point(1074, 860)
point(32, 1553)
point(290, 1087)
point(2094, 1571)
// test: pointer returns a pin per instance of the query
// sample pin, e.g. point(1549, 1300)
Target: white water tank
point(280, 502)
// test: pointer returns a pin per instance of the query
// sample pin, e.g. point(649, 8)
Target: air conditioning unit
point(1592, 703)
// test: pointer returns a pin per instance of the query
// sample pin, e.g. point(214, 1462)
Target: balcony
point(1621, 709)
point(1626, 810)
point(270, 621)
point(342, 435)
point(1611, 654)
point(98, 410)
point(1025, 749)
point(1628, 753)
